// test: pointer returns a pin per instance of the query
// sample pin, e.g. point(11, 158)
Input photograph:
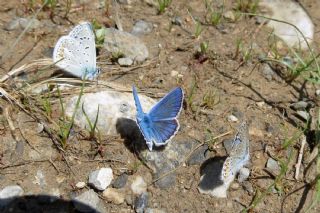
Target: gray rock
point(199, 156)
point(227, 143)
point(301, 105)
point(177, 20)
point(125, 43)
point(8, 193)
point(87, 201)
point(141, 27)
point(248, 187)
point(243, 174)
point(121, 181)
point(117, 111)
point(127, 2)
point(268, 72)
point(125, 62)
point(101, 179)
point(22, 23)
point(273, 166)
point(164, 159)
point(141, 202)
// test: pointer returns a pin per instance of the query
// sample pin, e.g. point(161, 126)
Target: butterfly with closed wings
point(160, 124)
point(239, 154)
point(76, 53)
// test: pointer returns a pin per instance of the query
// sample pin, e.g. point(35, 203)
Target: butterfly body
point(160, 124)
point(76, 52)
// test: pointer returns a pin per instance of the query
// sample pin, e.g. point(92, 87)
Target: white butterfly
point(76, 52)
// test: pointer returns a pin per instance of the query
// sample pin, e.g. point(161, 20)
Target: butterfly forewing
point(168, 107)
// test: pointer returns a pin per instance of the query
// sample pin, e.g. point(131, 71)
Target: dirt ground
point(217, 83)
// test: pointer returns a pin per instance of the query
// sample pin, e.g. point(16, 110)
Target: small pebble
point(273, 165)
point(101, 179)
point(232, 118)
point(138, 186)
point(141, 202)
point(304, 115)
point(301, 105)
point(177, 20)
point(80, 185)
point(121, 181)
point(243, 174)
point(114, 195)
point(229, 15)
point(125, 62)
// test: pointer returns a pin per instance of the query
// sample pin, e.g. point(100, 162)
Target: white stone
point(11, 191)
point(291, 12)
point(113, 195)
point(113, 106)
point(8, 193)
point(101, 179)
point(138, 185)
point(80, 185)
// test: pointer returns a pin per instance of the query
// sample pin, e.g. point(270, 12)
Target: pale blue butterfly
point(76, 52)
point(239, 155)
point(160, 124)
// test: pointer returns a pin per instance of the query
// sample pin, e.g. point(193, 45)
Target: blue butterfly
point(160, 125)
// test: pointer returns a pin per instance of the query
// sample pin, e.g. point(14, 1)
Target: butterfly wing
point(239, 155)
point(83, 33)
point(163, 117)
point(65, 57)
point(168, 107)
point(76, 52)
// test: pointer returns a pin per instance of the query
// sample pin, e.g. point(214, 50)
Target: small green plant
point(68, 8)
point(47, 105)
point(210, 99)
point(100, 32)
point(198, 30)
point(215, 17)
point(247, 6)
point(64, 124)
point(210, 140)
point(51, 5)
point(245, 53)
point(93, 126)
point(162, 5)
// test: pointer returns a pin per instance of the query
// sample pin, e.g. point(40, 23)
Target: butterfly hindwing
point(164, 130)
point(239, 155)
